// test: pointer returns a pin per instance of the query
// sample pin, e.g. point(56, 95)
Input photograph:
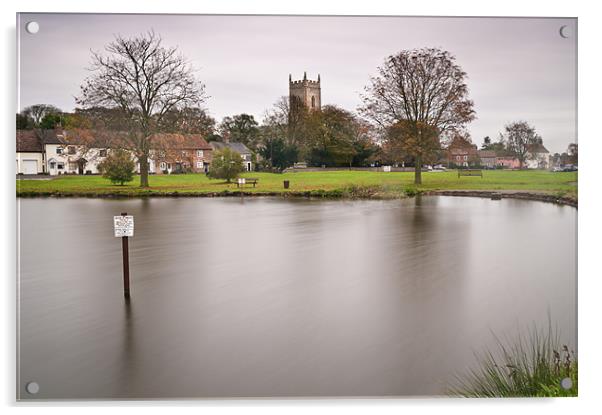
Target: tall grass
point(531, 367)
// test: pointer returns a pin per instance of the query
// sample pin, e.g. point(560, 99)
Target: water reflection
point(271, 297)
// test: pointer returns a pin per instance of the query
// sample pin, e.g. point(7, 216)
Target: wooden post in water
point(126, 264)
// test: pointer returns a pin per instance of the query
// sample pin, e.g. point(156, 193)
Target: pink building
point(507, 162)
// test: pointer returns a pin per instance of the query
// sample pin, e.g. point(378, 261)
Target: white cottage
point(538, 157)
point(68, 153)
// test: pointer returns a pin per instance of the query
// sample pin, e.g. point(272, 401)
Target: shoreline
point(322, 194)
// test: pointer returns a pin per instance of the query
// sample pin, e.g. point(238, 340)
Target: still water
point(271, 297)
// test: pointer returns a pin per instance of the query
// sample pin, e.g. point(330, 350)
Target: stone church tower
point(305, 92)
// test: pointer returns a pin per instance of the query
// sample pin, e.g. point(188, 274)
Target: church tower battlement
point(305, 91)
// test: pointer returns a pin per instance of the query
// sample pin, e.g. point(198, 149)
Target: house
point(538, 157)
point(73, 152)
point(488, 158)
point(179, 153)
point(240, 148)
point(463, 156)
point(506, 160)
point(30, 153)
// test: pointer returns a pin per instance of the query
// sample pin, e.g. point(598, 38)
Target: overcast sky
point(518, 69)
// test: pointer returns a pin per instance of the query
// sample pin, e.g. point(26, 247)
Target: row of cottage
point(538, 157)
point(57, 152)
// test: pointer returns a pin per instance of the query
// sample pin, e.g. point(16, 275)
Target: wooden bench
point(470, 172)
point(246, 180)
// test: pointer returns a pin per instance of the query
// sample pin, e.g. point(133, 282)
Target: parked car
point(569, 167)
point(439, 167)
point(557, 169)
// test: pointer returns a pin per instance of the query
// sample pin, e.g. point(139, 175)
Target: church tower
point(306, 92)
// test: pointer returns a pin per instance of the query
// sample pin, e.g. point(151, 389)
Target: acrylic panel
point(232, 206)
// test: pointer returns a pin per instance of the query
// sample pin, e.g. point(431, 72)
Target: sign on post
point(124, 226)
point(241, 181)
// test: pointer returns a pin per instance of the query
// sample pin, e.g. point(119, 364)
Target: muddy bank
point(508, 194)
point(368, 193)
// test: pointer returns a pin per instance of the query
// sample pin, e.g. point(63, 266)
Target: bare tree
point(36, 113)
point(287, 121)
point(426, 90)
point(519, 136)
point(144, 81)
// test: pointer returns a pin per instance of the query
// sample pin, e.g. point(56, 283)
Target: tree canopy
point(424, 89)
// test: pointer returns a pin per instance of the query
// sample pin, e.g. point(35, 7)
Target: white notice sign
point(124, 226)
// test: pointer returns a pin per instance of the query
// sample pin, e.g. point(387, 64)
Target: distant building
point(538, 157)
point(30, 153)
point(507, 161)
point(240, 148)
point(463, 155)
point(179, 153)
point(488, 158)
point(304, 92)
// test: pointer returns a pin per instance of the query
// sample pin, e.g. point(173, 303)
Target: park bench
point(246, 180)
point(470, 172)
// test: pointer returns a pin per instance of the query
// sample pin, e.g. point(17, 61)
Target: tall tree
point(23, 122)
point(36, 113)
point(331, 136)
point(422, 148)
point(282, 121)
point(278, 153)
point(188, 121)
point(240, 128)
point(143, 81)
point(426, 90)
point(519, 136)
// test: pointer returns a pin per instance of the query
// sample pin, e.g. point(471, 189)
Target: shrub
point(532, 368)
point(118, 167)
point(226, 164)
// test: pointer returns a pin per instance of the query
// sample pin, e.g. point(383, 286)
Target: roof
point(183, 141)
point(235, 146)
point(29, 142)
point(537, 148)
point(487, 153)
point(462, 150)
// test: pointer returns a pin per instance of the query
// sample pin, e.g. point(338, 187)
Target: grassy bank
point(538, 366)
point(327, 183)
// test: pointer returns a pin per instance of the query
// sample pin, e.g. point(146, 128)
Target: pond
point(262, 297)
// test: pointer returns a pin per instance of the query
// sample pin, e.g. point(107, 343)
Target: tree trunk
point(418, 171)
point(144, 171)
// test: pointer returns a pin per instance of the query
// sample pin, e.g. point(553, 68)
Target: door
point(30, 167)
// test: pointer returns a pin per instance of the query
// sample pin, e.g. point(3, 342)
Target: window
point(60, 166)
point(52, 165)
point(199, 153)
point(465, 157)
point(163, 165)
point(72, 166)
point(103, 152)
point(71, 150)
point(59, 150)
point(458, 158)
point(199, 164)
point(313, 102)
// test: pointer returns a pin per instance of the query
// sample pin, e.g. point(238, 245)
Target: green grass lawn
point(329, 181)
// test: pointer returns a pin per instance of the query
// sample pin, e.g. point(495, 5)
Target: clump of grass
point(535, 367)
point(355, 191)
point(411, 191)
